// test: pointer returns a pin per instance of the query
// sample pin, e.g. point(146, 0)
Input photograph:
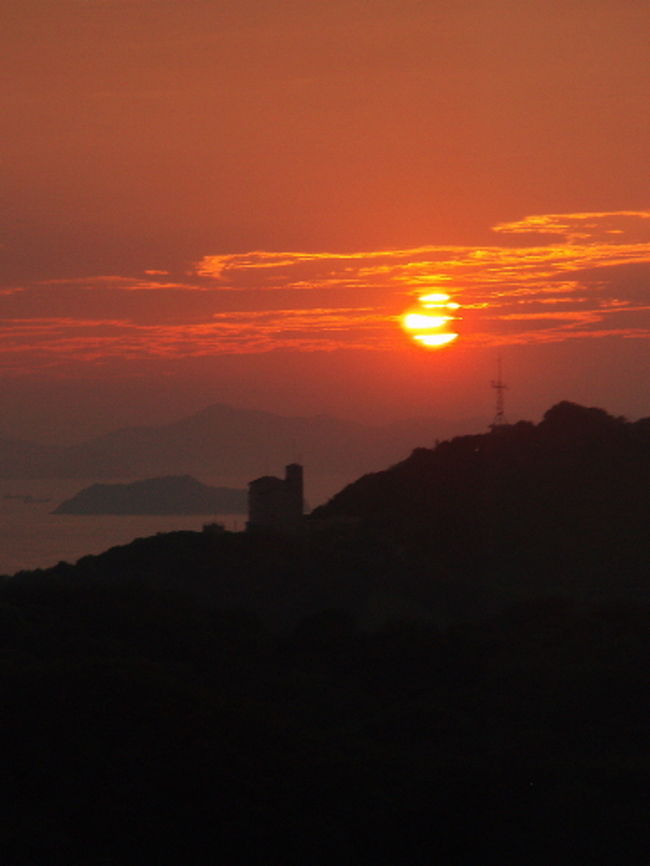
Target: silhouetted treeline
point(359, 695)
point(562, 506)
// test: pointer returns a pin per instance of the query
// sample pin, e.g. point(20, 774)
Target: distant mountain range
point(176, 494)
point(222, 442)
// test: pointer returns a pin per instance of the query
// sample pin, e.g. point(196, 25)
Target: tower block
point(275, 505)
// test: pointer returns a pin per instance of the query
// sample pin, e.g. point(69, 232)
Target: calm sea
point(32, 537)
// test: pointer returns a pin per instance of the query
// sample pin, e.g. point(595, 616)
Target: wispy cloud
point(128, 284)
point(581, 227)
point(547, 278)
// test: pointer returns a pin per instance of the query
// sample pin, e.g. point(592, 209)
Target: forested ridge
point(450, 666)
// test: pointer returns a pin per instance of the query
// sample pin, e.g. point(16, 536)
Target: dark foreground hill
point(388, 689)
point(173, 494)
point(562, 506)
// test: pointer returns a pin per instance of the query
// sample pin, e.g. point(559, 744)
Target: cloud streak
point(547, 278)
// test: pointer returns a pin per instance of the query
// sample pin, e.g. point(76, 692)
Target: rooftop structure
point(275, 505)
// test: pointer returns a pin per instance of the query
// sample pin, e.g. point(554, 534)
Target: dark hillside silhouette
point(450, 665)
point(565, 502)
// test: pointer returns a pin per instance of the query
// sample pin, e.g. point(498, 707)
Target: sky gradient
point(207, 201)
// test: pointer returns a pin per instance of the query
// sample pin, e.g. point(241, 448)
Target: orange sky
point(210, 201)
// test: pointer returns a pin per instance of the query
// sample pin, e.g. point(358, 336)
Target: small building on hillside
point(275, 505)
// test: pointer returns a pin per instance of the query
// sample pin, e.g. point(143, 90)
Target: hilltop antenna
point(499, 387)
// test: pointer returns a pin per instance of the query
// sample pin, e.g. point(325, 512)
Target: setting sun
point(423, 321)
point(435, 341)
point(438, 300)
point(430, 329)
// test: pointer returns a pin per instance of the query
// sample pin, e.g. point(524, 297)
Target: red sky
point(210, 201)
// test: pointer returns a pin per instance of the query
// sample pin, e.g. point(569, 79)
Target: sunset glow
point(438, 301)
point(423, 322)
point(430, 329)
point(560, 288)
point(325, 388)
point(435, 341)
point(193, 191)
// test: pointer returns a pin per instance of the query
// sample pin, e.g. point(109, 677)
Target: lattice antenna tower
point(499, 387)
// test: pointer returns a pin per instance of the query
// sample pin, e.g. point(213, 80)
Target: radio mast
point(499, 387)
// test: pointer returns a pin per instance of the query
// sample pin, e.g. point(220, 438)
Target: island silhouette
point(172, 494)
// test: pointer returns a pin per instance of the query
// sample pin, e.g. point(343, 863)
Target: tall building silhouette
point(275, 505)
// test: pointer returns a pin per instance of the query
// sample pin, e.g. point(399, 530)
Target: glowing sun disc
point(435, 341)
point(435, 298)
point(424, 322)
